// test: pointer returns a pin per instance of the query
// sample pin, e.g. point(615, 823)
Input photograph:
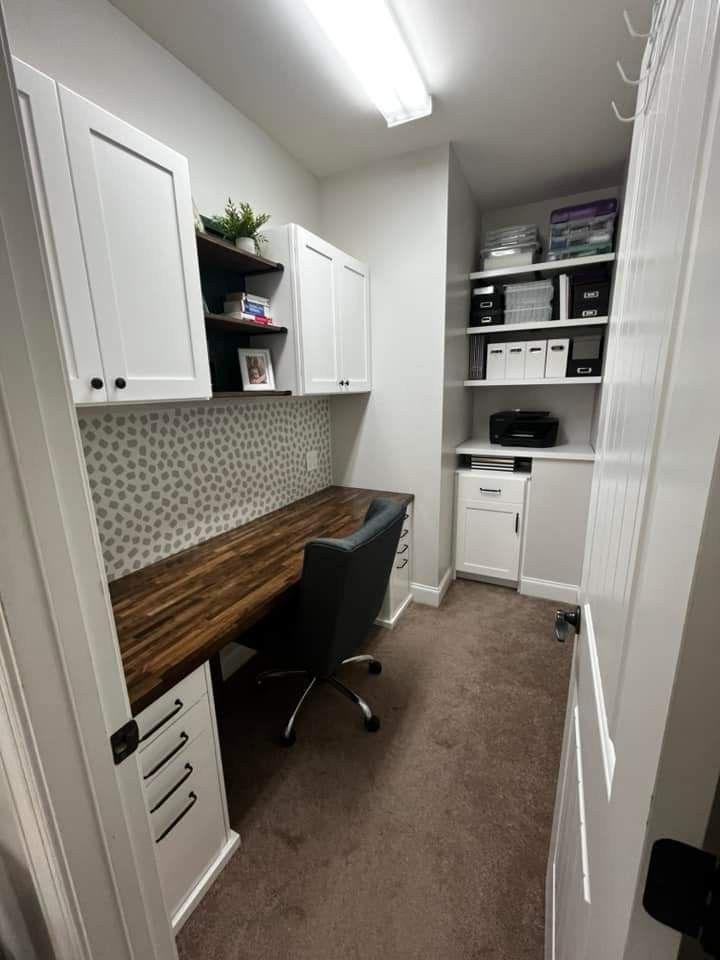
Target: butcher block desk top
point(175, 614)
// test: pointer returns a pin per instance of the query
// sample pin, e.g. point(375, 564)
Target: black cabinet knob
point(96, 383)
point(120, 383)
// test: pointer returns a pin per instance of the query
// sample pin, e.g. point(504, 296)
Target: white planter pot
point(245, 243)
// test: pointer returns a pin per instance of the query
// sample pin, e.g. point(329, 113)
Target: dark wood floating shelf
point(251, 394)
point(220, 321)
point(213, 252)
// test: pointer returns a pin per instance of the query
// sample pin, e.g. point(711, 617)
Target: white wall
point(393, 215)
point(462, 230)
point(91, 47)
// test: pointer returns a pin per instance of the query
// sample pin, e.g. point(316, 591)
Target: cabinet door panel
point(135, 212)
point(317, 296)
point(354, 324)
point(488, 538)
point(42, 122)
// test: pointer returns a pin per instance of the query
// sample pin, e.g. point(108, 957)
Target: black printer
point(523, 428)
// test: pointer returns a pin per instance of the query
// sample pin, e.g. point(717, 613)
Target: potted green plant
point(241, 226)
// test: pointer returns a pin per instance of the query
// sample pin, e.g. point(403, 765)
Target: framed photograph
point(256, 369)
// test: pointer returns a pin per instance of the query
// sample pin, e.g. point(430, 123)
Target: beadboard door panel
point(135, 212)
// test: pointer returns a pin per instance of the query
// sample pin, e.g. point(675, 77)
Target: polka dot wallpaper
point(163, 479)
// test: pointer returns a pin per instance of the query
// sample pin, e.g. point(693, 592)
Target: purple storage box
point(584, 211)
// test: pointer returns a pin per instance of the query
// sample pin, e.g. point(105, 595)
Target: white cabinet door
point(354, 324)
point(317, 308)
point(42, 122)
point(488, 538)
point(135, 212)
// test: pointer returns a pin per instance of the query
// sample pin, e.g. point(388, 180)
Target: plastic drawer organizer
point(535, 294)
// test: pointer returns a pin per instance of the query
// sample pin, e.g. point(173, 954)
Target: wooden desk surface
point(178, 612)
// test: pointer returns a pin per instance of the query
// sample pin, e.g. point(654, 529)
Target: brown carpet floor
point(425, 841)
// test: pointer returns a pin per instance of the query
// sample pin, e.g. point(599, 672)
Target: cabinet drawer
point(174, 740)
point(178, 773)
point(495, 486)
point(170, 706)
point(189, 829)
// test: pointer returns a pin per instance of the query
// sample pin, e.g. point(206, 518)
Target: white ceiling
point(522, 88)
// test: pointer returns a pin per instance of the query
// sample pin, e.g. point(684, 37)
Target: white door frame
point(83, 820)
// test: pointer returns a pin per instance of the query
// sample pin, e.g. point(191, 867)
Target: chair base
point(288, 736)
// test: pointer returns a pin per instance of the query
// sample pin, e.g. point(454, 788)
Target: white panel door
point(135, 211)
point(42, 122)
point(316, 278)
point(488, 538)
point(652, 263)
point(354, 324)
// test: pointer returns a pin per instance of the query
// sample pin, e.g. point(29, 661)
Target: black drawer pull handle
point(402, 564)
point(404, 550)
point(183, 740)
point(161, 723)
point(171, 791)
point(192, 797)
point(404, 533)
point(490, 490)
point(407, 516)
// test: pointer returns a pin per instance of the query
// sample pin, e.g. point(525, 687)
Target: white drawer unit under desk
point(182, 777)
point(397, 595)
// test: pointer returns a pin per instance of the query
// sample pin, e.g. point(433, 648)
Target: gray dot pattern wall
point(163, 479)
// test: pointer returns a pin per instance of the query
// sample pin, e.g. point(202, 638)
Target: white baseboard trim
point(549, 590)
point(203, 885)
point(389, 622)
point(432, 596)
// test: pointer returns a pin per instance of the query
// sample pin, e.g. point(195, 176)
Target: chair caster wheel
point(374, 666)
point(287, 740)
point(372, 724)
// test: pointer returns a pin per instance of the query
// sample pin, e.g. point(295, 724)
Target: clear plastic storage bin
point(500, 257)
point(535, 294)
point(528, 315)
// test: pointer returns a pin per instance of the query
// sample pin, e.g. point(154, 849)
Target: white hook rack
point(628, 80)
point(631, 29)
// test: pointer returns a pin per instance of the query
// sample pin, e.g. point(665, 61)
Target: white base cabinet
point(489, 524)
point(184, 791)
point(398, 596)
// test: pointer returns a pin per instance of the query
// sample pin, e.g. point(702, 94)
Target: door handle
point(565, 620)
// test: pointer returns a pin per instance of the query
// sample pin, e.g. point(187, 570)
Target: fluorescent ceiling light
point(367, 36)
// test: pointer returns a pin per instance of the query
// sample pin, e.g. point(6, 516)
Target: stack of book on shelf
point(248, 306)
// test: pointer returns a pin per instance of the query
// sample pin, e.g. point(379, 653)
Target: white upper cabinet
point(354, 324)
point(116, 214)
point(318, 328)
point(135, 212)
point(42, 122)
point(323, 298)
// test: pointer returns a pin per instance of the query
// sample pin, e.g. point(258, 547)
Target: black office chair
point(339, 597)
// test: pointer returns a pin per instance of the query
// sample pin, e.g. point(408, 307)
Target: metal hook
point(626, 78)
point(620, 117)
point(631, 29)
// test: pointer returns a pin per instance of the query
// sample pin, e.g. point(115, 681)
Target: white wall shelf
point(559, 382)
point(546, 325)
point(546, 267)
point(481, 447)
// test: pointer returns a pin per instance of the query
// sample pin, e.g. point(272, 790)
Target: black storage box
point(485, 299)
point(585, 356)
point(590, 300)
point(487, 318)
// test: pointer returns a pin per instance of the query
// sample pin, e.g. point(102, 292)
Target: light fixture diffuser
point(368, 38)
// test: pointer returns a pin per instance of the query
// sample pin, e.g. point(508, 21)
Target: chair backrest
point(343, 585)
